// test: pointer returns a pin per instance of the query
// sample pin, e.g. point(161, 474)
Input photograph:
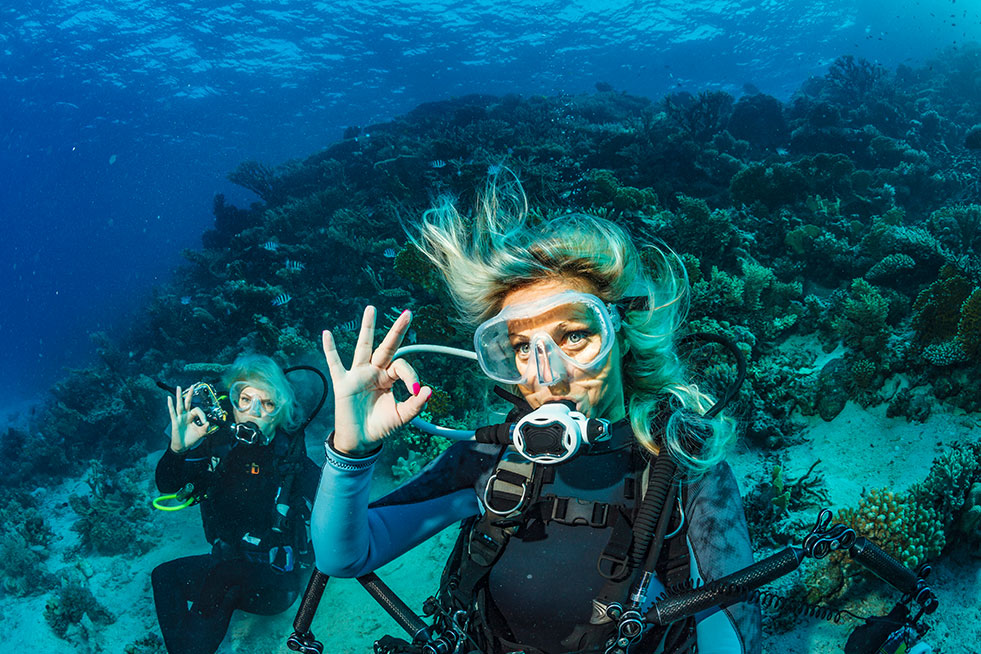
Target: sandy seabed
point(860, 449)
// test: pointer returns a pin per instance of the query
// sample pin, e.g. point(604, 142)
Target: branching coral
point(702, 116)
point(73, 605)
point(946, 485)
point(852, 81)
point(113, 518)
point(862, 323)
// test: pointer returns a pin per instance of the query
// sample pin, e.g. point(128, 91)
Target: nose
point(543, 365)
point(549, 369)
point(256, 408)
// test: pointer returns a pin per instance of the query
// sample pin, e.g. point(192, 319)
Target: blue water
point(119, 120)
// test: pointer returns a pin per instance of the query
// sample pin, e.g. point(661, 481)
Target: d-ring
point(524, 491)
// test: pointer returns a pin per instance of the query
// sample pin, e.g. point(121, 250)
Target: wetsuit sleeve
point(351, 539)
point(174, 470)
point(719, 543)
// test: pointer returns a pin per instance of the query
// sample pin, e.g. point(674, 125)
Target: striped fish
point(294, 266)
point(348, 326)
point(270, 246)
point(281, 299)
point(437, 163)
point(389, 253)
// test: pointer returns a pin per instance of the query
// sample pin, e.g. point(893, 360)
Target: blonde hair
point(265, 374)
point(502, 246)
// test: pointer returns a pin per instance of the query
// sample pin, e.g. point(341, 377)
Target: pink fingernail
point(416, 388)
point(404, 312)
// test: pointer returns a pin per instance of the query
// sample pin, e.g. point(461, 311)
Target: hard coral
point(907, 530)
point(937, 309)
point(862, 323)
point(73, 604)
point(969, 325)
point(947, 484)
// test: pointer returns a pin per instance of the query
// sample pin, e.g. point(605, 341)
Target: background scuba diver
point(556, 336)
point(255, 492)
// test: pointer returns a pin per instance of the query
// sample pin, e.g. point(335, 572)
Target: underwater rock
point(914, 406)
point(972, 141)
point(832, 388)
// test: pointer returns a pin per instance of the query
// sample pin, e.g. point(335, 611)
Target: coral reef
point(114, 517)
point(72, 611)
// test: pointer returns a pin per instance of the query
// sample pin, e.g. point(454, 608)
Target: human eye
point(269, 405)
point(521, 348)
point(577, 337)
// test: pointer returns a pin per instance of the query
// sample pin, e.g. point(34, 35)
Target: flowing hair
point(265, 374)
point(501, 247)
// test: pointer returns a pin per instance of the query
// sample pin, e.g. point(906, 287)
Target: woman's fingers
point(172, 411)
point(393, 339)
point(412, 406)
point(366, 338)
point(334, 364)
point(418, 395)
point(198, 418)
point(400, 369)
point(188, 395)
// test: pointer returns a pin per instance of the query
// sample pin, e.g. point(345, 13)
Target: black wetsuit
point(196, 595)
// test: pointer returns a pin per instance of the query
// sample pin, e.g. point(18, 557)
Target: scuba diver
point(239, 459)
point(605, 486)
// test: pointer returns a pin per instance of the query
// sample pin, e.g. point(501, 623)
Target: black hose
point(323, 395)
point(659, 486)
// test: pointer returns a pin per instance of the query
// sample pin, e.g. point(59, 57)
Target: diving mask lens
point(546, 339)
point(248, 399)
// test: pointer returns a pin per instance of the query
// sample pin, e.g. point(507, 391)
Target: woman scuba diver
point(255, 485)
point(568, 315)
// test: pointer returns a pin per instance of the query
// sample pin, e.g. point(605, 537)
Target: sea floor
point(860, 449)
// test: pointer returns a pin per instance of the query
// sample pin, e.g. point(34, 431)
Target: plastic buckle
point(580, 512)
point(254, 469)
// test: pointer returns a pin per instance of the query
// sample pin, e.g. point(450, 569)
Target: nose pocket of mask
point(549, 366)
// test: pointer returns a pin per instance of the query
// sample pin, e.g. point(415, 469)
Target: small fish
point(438, 163)
point(270, 246)
point(349, 326)
point(281, 299)
point(294, 266)
point(389, 253)
point(185, 299)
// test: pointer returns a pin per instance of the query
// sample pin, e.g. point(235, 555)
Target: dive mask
point(547, 340)
point(245, 397)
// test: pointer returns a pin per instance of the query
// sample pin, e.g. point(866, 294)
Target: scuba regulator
point(552, 433)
